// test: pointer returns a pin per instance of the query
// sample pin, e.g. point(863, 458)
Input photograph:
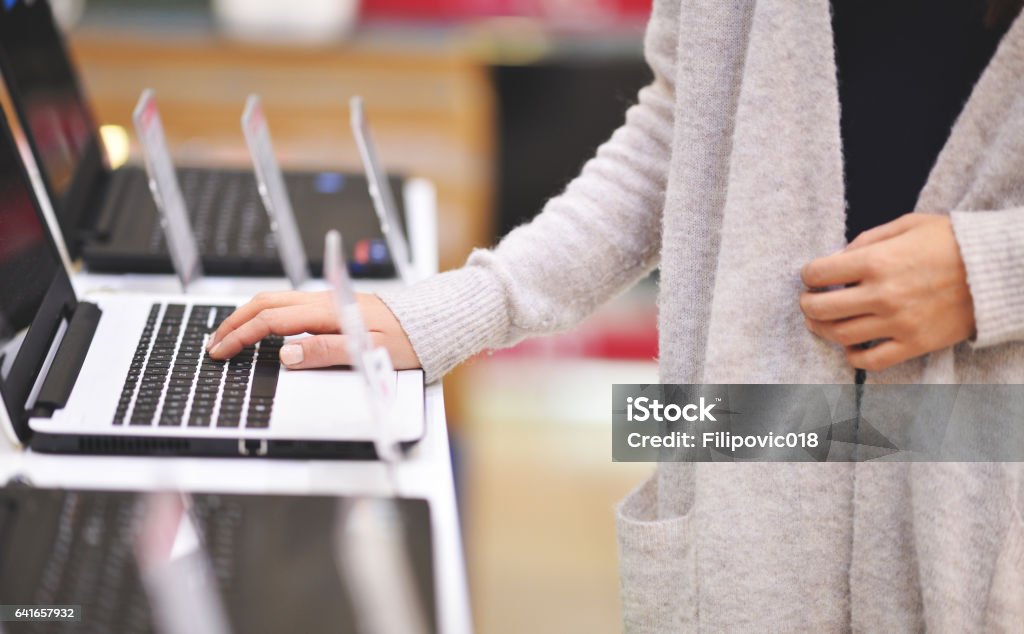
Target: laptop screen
point(34, 288)
point(273, 563)
point(50, 105)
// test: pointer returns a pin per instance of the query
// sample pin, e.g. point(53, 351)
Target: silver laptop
point(128, 374)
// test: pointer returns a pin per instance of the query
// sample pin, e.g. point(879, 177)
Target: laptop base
point(110, 445)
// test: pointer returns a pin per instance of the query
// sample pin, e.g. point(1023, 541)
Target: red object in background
point(460, 9)
point(433, 8)
point(620, 333)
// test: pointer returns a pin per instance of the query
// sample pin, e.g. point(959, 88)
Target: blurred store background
point(499, 102)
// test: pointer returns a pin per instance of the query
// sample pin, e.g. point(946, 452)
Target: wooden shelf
point(432, 110)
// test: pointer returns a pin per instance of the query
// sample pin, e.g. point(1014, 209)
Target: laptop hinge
point(68, 361)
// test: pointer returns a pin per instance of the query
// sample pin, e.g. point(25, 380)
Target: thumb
point(319, 351)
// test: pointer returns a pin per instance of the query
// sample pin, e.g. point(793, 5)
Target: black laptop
point(108, 217)
point(272, 562)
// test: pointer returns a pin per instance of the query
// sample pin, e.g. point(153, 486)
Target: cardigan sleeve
point(992, 248)
point(589, 243)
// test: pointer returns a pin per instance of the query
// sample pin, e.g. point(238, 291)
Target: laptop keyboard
point(172, 382)
point(92, 559)
point(226, 212)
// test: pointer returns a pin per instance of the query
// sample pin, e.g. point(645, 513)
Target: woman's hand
point(294, 312)
point(905, 288)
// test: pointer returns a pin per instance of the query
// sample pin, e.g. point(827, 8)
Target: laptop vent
point(134, 446)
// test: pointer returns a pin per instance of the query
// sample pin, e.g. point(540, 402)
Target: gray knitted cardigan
point(729, 174)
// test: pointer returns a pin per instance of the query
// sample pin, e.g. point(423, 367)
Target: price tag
point(163, 183)
point(380, 192)
point(274, 193)
point(371, 362)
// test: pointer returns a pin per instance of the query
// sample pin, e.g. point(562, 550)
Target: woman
point(729, 174)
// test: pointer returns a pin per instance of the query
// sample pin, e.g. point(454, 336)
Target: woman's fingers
point(323, 351)
point(850, 332)
point(320, 351)
point(261, 302)
point(884, 232)
point(293, 313)
point(879, 357)
point(838, 304)
point(286, 320)
point(838, 269)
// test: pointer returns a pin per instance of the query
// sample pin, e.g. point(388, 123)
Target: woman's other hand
point(294, 312)
point(904, 287)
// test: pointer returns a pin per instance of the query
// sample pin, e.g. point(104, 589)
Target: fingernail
point(214, 349)
point(291, 354)
point(211, 344)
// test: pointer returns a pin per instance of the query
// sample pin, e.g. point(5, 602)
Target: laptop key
point(264, 382)
point(199, 420)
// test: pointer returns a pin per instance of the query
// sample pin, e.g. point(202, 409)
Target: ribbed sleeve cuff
point(450, 317)
point(992, 247)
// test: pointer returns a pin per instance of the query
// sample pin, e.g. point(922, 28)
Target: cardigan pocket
point(1005, 611)
point(657, 565)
